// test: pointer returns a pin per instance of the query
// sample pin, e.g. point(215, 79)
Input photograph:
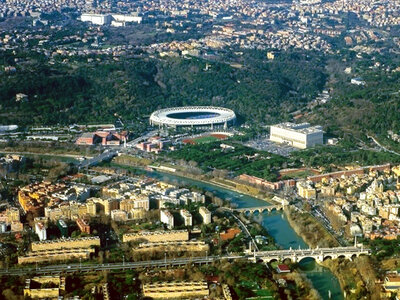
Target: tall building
point(167, 218)
point(40, 230)
point(297, 135)
point(187, 217)
point(91, 208)
point(62, 226)
point(205, 214)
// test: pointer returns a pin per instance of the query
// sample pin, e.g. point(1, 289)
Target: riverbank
point(309, 229)
point(274, 222)
point(357, 278)
point(230, 185)
point(303, 286)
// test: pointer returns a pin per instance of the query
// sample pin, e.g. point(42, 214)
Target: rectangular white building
point(167, 218)
point(96, 19)
point(187, 217)
point(297, 135)
point(205, 214)
point(114, 19)
point(127, 18)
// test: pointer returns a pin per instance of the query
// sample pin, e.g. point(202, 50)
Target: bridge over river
point(319, 254)
point(259, 209)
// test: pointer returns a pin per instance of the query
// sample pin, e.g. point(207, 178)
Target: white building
point(3, 227)
point(142, 202)
point(187, 217)
point(205, 214)
point(357, 81)
point(297, 135)
point(119, 215)
point(40, 230)
point(126, 18)
point(114, 19)
point(167, 218)
point(96, 19)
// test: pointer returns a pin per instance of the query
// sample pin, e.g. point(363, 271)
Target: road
point(244, 228)
point(148, 135)
point(84, 267)
point(382, 147)
point(106, 155)
point(76, 156)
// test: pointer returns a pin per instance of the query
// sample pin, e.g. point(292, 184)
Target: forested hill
point(361, 110)
point(82, 92)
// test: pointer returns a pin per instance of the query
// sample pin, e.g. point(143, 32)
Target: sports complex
point(200, 117)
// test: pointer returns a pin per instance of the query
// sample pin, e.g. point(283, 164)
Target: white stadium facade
point(199, 117)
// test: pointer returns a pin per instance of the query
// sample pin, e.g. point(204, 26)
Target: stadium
point(199, 117)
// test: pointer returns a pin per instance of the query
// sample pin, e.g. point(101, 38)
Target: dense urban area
point(190, 149)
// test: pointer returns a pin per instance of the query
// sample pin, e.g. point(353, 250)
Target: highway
point(85, 267)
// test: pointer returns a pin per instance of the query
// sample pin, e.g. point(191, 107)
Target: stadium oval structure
point(204, 117)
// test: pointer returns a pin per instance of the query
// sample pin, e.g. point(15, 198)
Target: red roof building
point(83, 225)
point(105, 138)
point(229, 234)
point(283, 269)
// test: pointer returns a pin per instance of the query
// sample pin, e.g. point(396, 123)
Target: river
point(277, 226)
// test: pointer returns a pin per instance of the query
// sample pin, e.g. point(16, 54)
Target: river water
point(277, 226)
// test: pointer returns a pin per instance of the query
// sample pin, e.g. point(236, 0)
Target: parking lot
point(264, 144)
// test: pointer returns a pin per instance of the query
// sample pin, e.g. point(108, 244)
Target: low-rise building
point(85, 242)
point(306, 190)
point(156, 236)
point(105, 138)
point(55, 255)
point(172, 246)
point(171, 290)
point(297, 135)
point(83, 225)
point(44, 287)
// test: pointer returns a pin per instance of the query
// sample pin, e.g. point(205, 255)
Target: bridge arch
point(288, 259)
point(302, 258)
point(269, 260)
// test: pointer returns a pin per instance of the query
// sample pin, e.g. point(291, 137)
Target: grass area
point(264, 293)
point(249, 284)
point(298, 174)
point(241, 160)
point(201, 140)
